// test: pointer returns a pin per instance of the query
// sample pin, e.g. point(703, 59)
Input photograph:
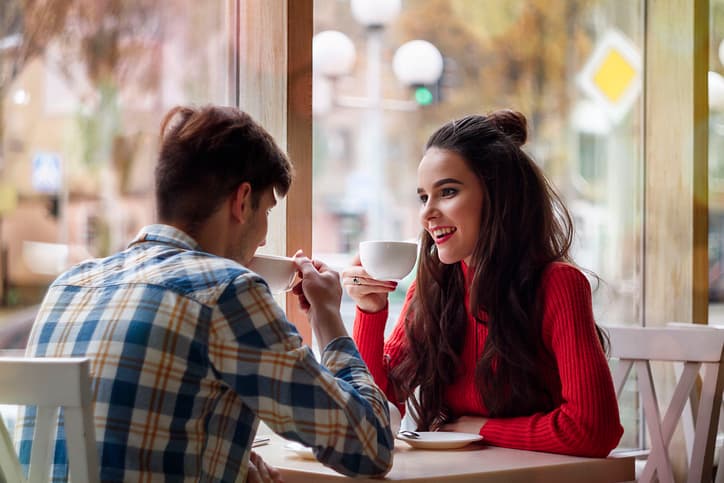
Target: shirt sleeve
point(587, 421)
point(333, 407)
point(380, 355)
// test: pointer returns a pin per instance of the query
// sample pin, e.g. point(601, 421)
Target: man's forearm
point(328, 326)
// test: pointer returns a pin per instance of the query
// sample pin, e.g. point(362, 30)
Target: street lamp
point(375, 14)
point(416, 64)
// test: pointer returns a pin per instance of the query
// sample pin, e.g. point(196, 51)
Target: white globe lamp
point(333, 53)
point(716, 91)
point(417, 62)
point(375, 13)
point(322, 95)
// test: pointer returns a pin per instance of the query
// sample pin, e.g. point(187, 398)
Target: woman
point(497, 330)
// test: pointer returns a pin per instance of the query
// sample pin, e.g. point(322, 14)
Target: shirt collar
point(165, 234)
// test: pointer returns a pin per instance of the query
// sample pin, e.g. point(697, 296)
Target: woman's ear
point(241, 206)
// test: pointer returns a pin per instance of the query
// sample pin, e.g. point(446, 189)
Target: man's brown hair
point(206, 153)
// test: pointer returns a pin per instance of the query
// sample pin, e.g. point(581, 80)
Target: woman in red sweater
point(497, 330)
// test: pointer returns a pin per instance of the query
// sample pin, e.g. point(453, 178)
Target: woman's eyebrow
point(441, 182)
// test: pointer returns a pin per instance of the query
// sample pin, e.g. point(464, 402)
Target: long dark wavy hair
point(524, 227)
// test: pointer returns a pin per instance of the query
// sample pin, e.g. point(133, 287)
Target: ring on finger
point(355, 280)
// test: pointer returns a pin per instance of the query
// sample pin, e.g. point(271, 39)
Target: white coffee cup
point(279, 272)
point(388, 260)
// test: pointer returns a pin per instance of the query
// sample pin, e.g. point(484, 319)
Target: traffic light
point(424, 95)
point(427, 95)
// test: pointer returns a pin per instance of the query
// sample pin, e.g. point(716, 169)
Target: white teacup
point(279, 272)
point(388, 260)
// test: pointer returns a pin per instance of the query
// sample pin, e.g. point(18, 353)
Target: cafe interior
point(625, 101)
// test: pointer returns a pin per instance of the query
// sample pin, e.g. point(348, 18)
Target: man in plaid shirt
point(188, 349)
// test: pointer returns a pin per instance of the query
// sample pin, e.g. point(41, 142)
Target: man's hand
point(260, 472)
point(320, 295)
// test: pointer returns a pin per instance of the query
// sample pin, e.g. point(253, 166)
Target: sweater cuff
point(369, 327)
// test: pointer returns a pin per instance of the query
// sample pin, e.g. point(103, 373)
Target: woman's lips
point(439, 240)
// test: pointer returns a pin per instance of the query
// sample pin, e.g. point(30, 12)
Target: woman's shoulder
point(563, 274)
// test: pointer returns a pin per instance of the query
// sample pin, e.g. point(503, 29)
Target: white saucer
point(300, 451)
point(440, 439)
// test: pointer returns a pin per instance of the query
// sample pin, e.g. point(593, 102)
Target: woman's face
point(451, 198)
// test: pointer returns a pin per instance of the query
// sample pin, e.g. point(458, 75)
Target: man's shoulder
point(194, 274)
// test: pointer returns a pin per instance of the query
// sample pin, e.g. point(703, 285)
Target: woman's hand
point(260, 472)
point(466, 424)
point(368, 293)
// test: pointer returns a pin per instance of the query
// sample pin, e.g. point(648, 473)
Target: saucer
point(440, 439)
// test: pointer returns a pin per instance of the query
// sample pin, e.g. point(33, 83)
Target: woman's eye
point(423, 199)
point(445, 192)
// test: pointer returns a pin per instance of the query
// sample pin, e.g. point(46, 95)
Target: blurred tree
point(516, 54)
point(26, 28)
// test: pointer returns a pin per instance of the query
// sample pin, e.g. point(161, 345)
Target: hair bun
point(512, 123)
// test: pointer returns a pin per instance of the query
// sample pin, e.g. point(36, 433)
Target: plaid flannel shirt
point(188, 352)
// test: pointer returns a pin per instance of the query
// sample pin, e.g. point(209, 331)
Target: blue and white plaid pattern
point(188, 351)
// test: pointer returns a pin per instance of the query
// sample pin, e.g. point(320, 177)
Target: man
point(188, 349)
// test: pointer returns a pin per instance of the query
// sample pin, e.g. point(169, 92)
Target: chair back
point(50, 384)
point(696, 349)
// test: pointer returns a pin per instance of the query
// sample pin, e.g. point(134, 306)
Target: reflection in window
point(83, 86)
point(716, 162)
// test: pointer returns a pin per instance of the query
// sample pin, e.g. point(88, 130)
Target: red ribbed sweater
point(586, 421)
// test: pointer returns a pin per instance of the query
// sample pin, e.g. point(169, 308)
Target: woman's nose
point(427, 212)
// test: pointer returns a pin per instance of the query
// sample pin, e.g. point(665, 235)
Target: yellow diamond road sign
point(612, 75)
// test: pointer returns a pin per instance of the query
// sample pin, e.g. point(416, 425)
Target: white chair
point(50, 384)
point(689, 415)
point(697, 349)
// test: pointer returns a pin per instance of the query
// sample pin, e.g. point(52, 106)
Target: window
point(527, 55)
point(82, 92)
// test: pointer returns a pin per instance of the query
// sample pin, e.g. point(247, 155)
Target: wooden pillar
point(299, 142)
point(676, 120)
point(275, 87)
point(676, 191)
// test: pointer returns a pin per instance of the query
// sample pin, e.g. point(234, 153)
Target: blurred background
point(84, 84)
point(573, 67)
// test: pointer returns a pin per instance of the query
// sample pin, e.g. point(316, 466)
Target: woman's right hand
point(368, 293)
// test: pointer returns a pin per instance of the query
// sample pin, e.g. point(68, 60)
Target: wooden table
point(475, 463)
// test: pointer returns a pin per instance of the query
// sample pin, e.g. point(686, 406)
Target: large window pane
point(83, 86)
point(556, 62)
point(716, 163)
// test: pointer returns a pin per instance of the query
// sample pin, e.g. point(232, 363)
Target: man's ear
point(240, 200)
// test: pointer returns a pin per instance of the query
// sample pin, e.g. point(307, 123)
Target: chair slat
point(620, 374)
point(9, 465)
point(43, 439)
point(658, 461)
point(707, 422)
point(79, 429)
